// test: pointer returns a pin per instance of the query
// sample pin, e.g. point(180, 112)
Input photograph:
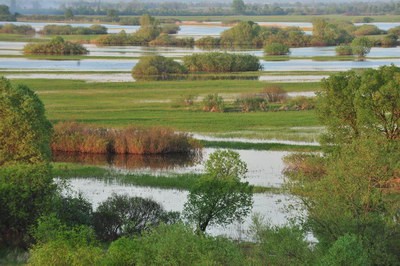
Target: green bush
point(276, 49)
point(57, 46)
point(213, 103)
point(170, 29)
point(17, 29)
point(361, 46)
point(344, 50)
point(390, 40)
point(25, 194)
point(395, 31)
point(274, 94)
point(121, 215)
point(208, 42)
point(157, 67)
point(167, 40)
point(173, 245)
point(364, 30)
point(221, 62)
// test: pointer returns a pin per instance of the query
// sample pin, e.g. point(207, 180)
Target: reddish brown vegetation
point(75, 137)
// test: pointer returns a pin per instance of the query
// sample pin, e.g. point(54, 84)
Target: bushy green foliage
point(208, 42)
point(395, 30)
point(57, 46)
point(220, 197)
point(361, 46)
point(344, 50)
point(25, 194)
point(364, 30)
point(173, 245)
point(354, 104)
point(276, 49)
point(72, 211)
point(347, 248)
point(69, 30)
point(17, 29)
point(157, 67)
point(168, 40)
point(213, 103)
point(279, 245)
point(25, 131)
point(58, 244)
point(215, 62)
point(274, 94)
point(170, 29)
point(331, 33)
point(121, 215)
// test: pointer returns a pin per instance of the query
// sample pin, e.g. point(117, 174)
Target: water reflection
point(272, 206)
point(264, 167)
point(169, 162)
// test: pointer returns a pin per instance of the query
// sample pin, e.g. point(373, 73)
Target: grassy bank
point(172, 181)
point(160, 103)
point(259, 146)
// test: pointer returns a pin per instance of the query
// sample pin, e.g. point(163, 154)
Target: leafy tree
point(344, 50)
point(5, 14)
point(121, 215)
point(276, 49)
point(219, 197)
point(354, 104)
point(112, 14)
point(389, 40)
point(25, 131)
point(238, 6)
point(157, 67)
point(330, 33)
point(361, 46)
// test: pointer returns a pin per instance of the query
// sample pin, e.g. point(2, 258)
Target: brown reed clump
point(81, 138)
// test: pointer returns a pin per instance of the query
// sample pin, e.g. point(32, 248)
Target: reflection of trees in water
point(126, 161)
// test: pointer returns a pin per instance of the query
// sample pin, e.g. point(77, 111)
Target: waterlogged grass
point(160, 104)
point(171, 181)
point(259, 146)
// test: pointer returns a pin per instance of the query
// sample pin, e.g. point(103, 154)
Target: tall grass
point(82, 138)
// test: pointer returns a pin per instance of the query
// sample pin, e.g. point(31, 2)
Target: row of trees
point(163, 68)
point(69, 30)
point(325, 33)
point(150, 33)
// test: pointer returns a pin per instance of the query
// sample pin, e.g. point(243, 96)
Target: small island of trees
point(57, 46)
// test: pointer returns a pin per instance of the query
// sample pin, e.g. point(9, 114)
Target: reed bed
point(82, 138)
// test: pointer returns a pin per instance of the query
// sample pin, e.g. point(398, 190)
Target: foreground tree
point(354, 104)
point(219, 197)
point(25, 131)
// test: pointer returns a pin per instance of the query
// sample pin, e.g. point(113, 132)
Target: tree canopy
point(25, 132)
point(157, 67)
point(219, 197)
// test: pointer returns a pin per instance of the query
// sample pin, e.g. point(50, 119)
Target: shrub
point(213, 103)
point(167, 40)
point(25, 195)
point(57, 46)
point(364, 30)
point(17, 29)
point(276, 49)
point(300, 103)
point(208, 42)
point(170, 29)
point(251, 102)
point(121, 215)
point(221, 62)
point(173, 245)
point(395, 30)
point(389, 40)
point(344, 50)
point(157, 67)
point(81, 138)
point(72, 211)
point(274, 94)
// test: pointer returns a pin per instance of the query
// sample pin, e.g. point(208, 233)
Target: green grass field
point(158, 104)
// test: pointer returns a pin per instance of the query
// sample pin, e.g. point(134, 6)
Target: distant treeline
point(183, 8)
